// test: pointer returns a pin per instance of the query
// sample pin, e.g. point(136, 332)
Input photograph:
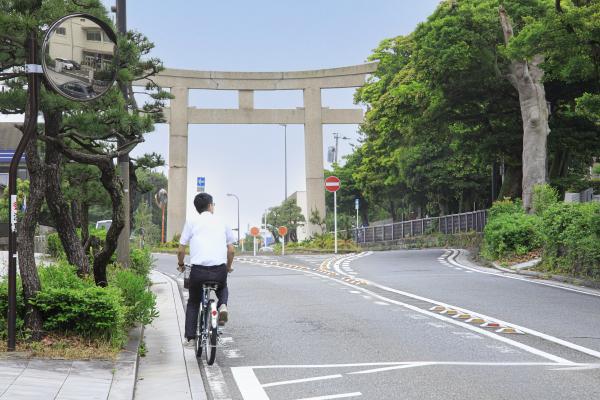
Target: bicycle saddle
point(211, 284)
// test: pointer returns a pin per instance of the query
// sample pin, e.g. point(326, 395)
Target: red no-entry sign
point(332, 183)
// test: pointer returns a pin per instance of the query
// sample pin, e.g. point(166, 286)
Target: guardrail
point(447, 224)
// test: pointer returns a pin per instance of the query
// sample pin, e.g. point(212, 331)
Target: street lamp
point(238, 214)
point(337, 138)
point(285, 157)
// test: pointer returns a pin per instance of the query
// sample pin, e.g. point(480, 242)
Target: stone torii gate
point(312, 116)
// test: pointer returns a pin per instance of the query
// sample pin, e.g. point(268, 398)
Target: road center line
point(316, 378)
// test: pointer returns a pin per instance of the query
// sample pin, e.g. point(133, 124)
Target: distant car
point(266, 249)
point(104, 224)
point(78, 89)
point(75, 64)
point(66, 64)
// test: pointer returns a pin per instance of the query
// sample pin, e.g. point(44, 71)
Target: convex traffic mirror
point(79, 57)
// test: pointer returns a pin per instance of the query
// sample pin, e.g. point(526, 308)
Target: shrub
point(506, 206)
point(141, 261)
point(92, 312)
point(571, 238)
point(4, 307)
point(544, 196)
point(61, 275)
point(509, 234)
point(596, 169)
point(140, 303)
point(55, 248)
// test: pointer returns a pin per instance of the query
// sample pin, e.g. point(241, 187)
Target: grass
point(142, 351)
point(65, 348)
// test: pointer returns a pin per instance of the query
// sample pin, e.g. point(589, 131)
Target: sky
point(262, 35)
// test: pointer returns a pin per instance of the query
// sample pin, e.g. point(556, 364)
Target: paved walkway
point(167, 372)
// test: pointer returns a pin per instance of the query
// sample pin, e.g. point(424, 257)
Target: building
point(10, 136)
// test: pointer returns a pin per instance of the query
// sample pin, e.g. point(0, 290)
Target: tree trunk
point(75, 213)
point(527, 78)
point(84, 217)
point(511, 186)
point(26, 238)
point(114, 186)
point(58, 206)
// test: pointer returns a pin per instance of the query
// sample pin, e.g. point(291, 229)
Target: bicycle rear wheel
point(199, 334)
point(210, 350)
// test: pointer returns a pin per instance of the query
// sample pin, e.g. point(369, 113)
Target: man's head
point(203, 202)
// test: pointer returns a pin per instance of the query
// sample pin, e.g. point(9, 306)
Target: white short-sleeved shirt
point(208, 238)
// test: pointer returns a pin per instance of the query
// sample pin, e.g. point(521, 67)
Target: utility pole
point(123, 244)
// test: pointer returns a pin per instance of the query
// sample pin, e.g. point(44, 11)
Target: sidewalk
point(168, 371)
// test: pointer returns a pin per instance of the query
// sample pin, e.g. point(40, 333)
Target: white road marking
point(477, 329)
point(381, 303)
point(354, 292)
point(334, 396)
point(467, 335)
point(232, 353)
point(248, 384)
point(367, 297)
point(438, 325)
point(316, 378)
point(452, 259)
point(478, 364)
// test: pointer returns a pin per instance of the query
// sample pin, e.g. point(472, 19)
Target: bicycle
point(207, 331)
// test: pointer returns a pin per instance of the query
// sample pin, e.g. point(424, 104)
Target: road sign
point(282, 230)
point(357, 204)
point(200, 184)
point(254, 231)
point(332, 184)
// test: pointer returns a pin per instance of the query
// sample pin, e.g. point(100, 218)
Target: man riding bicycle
point(211, 256)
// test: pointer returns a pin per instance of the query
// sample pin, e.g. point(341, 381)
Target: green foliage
point(324, 242)
point(55, 247)
point(544, 196)
point(571, 237)
point(509, 231)
point(22, 193)
point(141, 261)
point(61, 275)
point(596, 169)
point(92, 312)
point(145, 229)
point(288, 214)
point(139, 302)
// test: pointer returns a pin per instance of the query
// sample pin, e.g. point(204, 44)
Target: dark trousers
point(198, 275)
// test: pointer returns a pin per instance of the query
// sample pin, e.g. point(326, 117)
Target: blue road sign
point(356, 203)
point(200, 184)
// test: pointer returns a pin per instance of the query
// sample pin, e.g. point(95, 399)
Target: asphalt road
point(361, 328)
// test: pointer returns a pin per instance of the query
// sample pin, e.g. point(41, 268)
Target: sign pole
point(335, 222)
point(283, 245)
point(254, 247)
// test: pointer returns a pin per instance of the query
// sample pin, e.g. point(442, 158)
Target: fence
point(447, 224)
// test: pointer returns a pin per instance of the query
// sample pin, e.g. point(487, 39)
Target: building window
point(94, 36)
point(61, 31)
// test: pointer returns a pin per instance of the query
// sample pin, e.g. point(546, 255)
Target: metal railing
point(447, 224)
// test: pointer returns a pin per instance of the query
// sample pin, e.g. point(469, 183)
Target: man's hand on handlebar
point(181, 268)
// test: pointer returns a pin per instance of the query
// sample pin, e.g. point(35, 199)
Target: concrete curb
point(126, 368)
point(196, 382)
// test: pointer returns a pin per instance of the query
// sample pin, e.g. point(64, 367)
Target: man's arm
point(230, 253)
point(181, 258)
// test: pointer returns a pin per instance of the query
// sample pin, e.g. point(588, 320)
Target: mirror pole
point(123, 244)
point(30, 127)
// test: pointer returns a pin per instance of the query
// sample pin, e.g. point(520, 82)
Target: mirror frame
point(104, 26)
